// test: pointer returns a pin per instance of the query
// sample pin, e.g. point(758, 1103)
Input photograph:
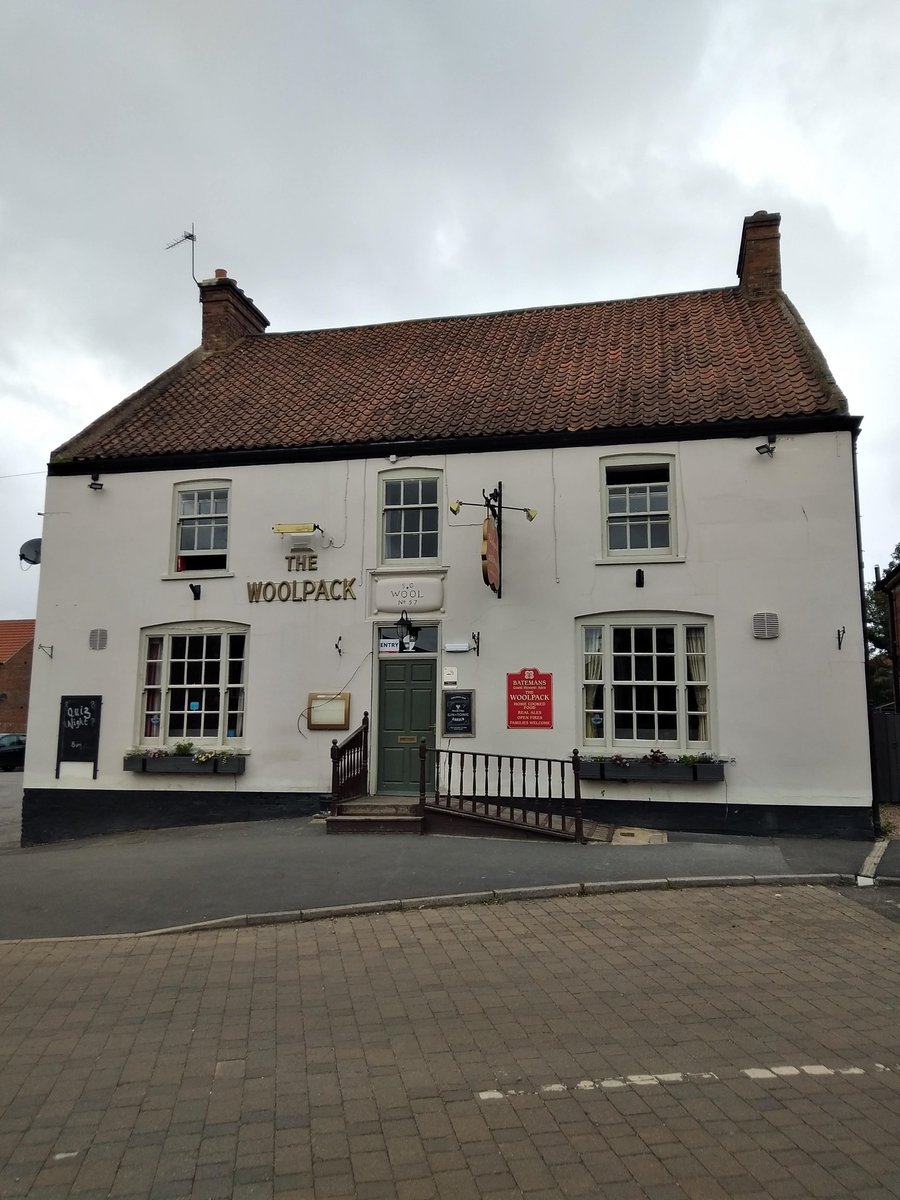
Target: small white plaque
point(451, 676)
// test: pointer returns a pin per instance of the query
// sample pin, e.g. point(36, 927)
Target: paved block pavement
point(700, 1044)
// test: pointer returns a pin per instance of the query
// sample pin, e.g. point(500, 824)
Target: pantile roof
point(687, 359)
point(13, 636)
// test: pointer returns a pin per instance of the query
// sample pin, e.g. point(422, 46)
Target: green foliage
point(878, 638)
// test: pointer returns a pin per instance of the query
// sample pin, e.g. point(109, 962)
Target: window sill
point(631, 560)
point(656, 773)
point(198, 575)
point(184, 765)
point(419, 566)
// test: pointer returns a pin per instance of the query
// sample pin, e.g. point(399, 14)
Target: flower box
point(713, 772)
point(644, 772)
point(178, 765)
point(637, 771)
point(230, 766)
point(592, 770)
point(184, 764)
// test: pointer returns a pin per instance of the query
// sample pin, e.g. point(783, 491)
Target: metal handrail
point(535, 791)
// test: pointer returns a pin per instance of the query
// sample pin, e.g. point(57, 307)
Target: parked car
point(12, 751)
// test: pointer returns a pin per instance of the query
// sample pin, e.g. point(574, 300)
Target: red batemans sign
point(529, 700)
point(490, 554)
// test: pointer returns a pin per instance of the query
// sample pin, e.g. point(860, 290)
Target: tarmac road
point(10, 808)
point(152, 880)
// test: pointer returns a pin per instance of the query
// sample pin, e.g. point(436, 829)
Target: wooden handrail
point(350, 766)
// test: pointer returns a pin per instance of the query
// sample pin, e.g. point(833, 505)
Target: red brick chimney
point(759, 262)
point(227, 313)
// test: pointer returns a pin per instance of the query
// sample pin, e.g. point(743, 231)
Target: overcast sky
point(354, 161)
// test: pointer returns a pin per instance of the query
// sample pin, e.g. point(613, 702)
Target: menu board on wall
point(459, 713)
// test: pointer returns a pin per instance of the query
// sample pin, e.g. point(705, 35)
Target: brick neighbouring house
point(16, 651)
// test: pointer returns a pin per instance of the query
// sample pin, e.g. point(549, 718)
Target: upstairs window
point(410, 519)
point(638, 498)
point(201, 528)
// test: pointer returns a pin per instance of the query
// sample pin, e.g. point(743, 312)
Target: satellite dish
point(30, 552)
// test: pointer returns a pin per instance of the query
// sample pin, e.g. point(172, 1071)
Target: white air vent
point(97, 639)
point(765, 625)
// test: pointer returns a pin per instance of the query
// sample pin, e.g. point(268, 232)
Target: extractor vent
point(97, 639)
point(765, 625)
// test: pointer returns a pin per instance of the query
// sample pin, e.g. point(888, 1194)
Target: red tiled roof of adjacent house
point(686, 359)
point(13, 636)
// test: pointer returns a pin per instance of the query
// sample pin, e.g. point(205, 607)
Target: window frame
point(594, 674)
point(650, 460)
point(164, 685)
point(407, 475)
point(176, 552)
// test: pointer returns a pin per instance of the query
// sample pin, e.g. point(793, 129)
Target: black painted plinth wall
point(753, 819)
point(50, 815)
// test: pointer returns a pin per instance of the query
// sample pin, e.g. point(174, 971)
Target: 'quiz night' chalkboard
point(79, 730)
point(459, 714)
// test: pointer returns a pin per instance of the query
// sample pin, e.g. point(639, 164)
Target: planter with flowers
point(655, 767)
point(183, 759)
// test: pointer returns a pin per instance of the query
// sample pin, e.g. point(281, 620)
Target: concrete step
point(380, 823)
point(379, 806)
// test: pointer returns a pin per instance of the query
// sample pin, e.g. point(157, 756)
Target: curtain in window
point(593, 702)
point(593, 657)
point(698, 696)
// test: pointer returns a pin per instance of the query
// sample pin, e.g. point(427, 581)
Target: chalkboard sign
point(459, 714)
point(79, 730)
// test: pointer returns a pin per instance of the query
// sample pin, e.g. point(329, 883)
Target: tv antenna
point(187, 237)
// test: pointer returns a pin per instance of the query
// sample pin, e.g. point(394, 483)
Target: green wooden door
point(406, 714)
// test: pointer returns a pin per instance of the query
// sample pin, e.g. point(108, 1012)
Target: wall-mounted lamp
point(489, 502)
point(492, 545)
point(302, 527)
point(406, 632)
point(195, 590)
point(95, 485)
point(768, 446)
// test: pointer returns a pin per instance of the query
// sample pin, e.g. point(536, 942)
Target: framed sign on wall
point(328, 710)
point(459, 713)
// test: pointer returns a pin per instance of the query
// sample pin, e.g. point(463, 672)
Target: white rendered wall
point(757, 533)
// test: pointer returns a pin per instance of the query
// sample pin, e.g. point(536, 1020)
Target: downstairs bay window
point(193, 680)
point(646, 682)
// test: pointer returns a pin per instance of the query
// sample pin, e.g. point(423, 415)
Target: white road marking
point(591, 1085)
point(65, 1154)
point(783, 1071)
